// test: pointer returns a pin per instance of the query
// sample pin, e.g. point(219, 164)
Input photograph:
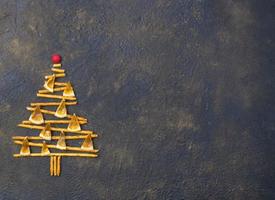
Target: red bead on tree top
point(56, 59)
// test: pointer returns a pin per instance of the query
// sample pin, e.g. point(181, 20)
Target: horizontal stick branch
point(58, 70)
point(57, 65)
point(60, 83)
point(51, 146)
point(56, 75)
point(53, 103)
point(54, 129)
point(75, 137)
point(55, 96)
point(53, 112)
point(54, 122)
point(55, 90)
point(57, 154)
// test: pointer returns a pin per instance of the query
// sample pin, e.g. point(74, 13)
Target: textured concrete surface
point(181, 92)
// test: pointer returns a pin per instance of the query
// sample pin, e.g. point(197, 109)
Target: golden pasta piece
point(51, 146)
point(25, 149)
point(61, 143)
point(58, 165)
point(54, 90)
point(37, 116)
point(52, 113)
point(57, 65)
point(56, 75)
point(51, 166)
point(88, 143)
point(54, 166)
point(46, 132)
point(52, 96)
point(60, 83)
point(61, 110)
point(58, 70)
point(68, 92)
point(49, 84)
point(52, 103)
point(87, 155)
point(75, 137)
point(54, 122)
point(45, 150)
point(74, 124)
point(54, 129)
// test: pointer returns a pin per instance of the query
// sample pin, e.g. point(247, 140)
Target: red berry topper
point(56, 58)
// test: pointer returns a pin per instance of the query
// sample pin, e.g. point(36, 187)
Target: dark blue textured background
point(182, 94)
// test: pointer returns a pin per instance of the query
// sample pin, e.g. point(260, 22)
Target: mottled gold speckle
point(121, 158)
point(196, 14)
point(20, 49)
point(82, 19)
point(4, 107)
point(2, 133)
point(241, 15)
point(185, 122)
point(117, 86)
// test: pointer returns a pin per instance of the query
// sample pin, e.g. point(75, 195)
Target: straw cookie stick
point(56, 75)
point(74, 137)
point(60, 83)
point(51, 165)
point(54, 122)
point(53, 112)
point(58, 70)
point(58, 165)
point(54, 165)
point(54, 129)
point(53, 103)
point(51, 146)
point(55, 96)
point(54, 90)
point(58, 154)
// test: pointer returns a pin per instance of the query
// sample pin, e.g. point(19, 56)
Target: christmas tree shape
point(54, 134)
